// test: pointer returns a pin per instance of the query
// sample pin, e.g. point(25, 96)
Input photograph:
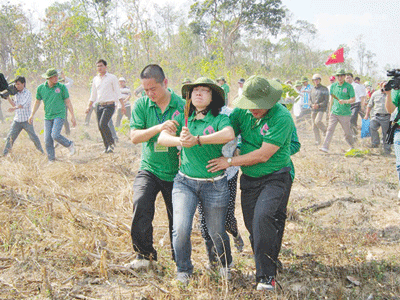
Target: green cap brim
point(266, 102)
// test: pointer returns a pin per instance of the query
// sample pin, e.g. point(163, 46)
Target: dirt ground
point(64, 227)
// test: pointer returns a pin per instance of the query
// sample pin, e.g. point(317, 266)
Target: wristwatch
point(229, 161)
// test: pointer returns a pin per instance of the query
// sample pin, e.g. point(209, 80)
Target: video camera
point(393, 83)
point(6, 88)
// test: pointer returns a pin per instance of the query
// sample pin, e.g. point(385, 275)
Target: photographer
point(393, 101)
point(22, 107)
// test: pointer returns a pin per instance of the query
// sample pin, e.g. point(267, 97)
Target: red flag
point(336, 57)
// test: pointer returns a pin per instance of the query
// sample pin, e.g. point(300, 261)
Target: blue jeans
point(52, 132)
point(214, 198)
point(16, 128)
point(396, 143)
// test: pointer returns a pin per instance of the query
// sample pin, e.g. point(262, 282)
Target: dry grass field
point(64, 227)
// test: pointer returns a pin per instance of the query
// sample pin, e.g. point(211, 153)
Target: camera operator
point(22, 107)
point(393, 101)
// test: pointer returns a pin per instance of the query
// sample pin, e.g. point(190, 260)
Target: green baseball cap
point(218, 97)
point(340, 72)
point(50, 73)
point(304, 79)
point(259, 93)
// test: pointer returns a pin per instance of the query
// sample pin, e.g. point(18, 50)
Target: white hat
point(316, 76)
point(121, 79)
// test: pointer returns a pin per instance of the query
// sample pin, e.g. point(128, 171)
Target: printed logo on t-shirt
point(264, 129)
point(208, 130)
point(57, 90)
point(176, 113)
point(345, 90)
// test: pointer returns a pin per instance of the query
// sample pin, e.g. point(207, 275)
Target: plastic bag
point(365, 128)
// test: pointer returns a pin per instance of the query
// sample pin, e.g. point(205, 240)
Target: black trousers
point(104, 115)
point(146, 187)
point(355, 110)
point(264, 201)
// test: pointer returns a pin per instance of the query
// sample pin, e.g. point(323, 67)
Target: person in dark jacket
point(319, 99)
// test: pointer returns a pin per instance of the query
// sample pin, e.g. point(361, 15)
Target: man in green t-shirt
point(222, 83)
point(342, 95)
point(55, 98)
point(159, 165)
point(266, 128)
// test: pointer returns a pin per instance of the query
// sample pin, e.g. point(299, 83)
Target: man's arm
point(93, 97)
point(34, 110)
point(261, 155)
point(168, 139)
point(143, 135)
point(390, 107)
point(68, 103)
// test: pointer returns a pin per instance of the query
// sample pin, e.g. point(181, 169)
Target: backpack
point(3, 83)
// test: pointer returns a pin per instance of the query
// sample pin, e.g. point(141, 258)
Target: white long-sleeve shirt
point(105, 89)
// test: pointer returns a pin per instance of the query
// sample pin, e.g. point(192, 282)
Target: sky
point(338, 22)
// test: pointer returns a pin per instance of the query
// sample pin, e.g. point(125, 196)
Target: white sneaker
point(351, 148)
point(137, 264)
point(323, 149)
point(267, 284)
point(71, 149)
point(183, 277)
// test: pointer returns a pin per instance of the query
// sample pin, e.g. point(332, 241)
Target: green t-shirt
point(195, 159)
point(225, 87)
point(159, 160)
point(396, 99)
point(53, 99)
point(343, 92)
point(275, 128)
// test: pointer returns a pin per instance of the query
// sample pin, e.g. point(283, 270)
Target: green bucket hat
point(50, 73)
point(297, 83)
point(304, 79)
point(186, 80)
point(340, 72)
point(204, 81)
point(259, 93)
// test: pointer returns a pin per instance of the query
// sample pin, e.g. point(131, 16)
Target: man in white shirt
point(105, 91)
point(361, 96)
point(126, 94)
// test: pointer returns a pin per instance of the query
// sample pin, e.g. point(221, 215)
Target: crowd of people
point(342, 102)
point(193, 146)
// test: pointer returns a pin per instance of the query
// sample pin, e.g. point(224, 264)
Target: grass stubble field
point(65, 227)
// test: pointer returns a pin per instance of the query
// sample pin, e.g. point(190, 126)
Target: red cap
point(332, 78)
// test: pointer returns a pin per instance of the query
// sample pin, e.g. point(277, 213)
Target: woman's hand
point(187, 139)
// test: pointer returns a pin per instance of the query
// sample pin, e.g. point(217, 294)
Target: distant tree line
point(233, 38)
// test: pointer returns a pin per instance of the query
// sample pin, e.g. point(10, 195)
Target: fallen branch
point(322, 205)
